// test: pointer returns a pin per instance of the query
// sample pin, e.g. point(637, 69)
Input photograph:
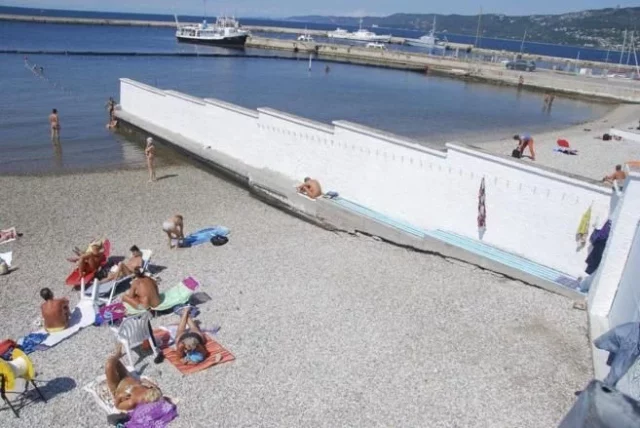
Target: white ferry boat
point(361, 35)
point(224, 32)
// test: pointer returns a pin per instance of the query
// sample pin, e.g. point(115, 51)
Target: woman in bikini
point(190, 343)
point(150, 153)
point(174, 228)
point(126, 390)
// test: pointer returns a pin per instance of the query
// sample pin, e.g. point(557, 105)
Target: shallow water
point(423, 107)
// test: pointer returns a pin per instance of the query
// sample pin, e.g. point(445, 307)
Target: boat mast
point(624, 42)
point(478, 30)
point(523, 38)
point(631, 42)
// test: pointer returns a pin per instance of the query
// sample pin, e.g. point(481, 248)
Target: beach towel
point(583, 229)
point(177, 295)
point(204, 235)
point(482, 212)
point(82, 316)
point(7, 257)
point(30, 342)
point(152, 415)
point(100, 392)
point(8, 235)
point(213, 350)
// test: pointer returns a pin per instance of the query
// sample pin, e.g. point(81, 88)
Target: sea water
point(426, 108)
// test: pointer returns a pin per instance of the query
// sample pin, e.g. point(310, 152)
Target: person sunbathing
point(310, 187)
point(91, 260)
point(55, 312)
point(127, 391)
point(174, 228)
point(190, 343)
point(126, 268)
point(143, 293)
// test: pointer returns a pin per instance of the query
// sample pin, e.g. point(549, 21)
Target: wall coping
point(185, 97)
point(232, 107)
point(297, 119)
point(142, 86)
point(388, 137)
point(536, 170)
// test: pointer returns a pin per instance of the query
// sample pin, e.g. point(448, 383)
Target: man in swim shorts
point(143, 293)
point(174, 228)
point(190, 343)
point(55, 312)
point(54, 121)
point(127, 391)
point(127, 268)
point(618, 175)
point(310, 187)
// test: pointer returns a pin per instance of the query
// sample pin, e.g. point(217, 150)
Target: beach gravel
point(328, 329)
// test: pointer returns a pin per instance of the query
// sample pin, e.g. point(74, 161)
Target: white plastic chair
point(146, 258)
point(132, 333)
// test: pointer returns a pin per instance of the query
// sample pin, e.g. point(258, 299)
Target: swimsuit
point(168, 226)
point(54, 329)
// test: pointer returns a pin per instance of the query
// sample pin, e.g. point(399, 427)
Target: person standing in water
point(54, 121)
point(150, 153)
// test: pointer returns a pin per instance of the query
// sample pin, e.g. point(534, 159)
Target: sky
point(285, 8)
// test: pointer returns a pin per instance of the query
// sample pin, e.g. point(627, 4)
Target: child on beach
point(150, 153)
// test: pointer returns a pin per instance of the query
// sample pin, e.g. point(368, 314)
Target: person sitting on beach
point(190, 342)
point(310, 187)
point(127, 391)
point(524, 141)
point(127, 268)
point(174, 228)
point(618, 175)
point(143, 293)
point(55, 312)
point(91, 260)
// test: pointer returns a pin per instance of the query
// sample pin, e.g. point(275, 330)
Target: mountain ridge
point(594, 27)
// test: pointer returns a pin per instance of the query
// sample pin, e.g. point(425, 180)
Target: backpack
point(218, 240)
point(516, 153)
point(606, 137)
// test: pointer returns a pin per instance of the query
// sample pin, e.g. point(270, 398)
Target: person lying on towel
point(143, 293)
point(190, 342)
point(126, 268)
point(310, 187)
point(126, 390)
point(55, 312)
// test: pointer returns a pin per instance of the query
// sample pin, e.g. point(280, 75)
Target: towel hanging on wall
point(482, 212)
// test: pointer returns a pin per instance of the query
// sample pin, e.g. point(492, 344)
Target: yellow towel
point(583, 228)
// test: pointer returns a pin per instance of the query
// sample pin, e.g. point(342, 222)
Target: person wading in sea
point(54, 121)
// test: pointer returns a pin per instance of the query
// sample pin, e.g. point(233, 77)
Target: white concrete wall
point(614, 297)
point(530, 211)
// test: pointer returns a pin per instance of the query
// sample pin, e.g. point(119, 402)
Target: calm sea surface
point(426, 108)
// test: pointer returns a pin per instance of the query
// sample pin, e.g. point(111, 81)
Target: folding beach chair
point(109, 288)
point(133, 332)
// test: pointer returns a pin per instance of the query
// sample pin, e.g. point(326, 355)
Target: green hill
point(600, 27)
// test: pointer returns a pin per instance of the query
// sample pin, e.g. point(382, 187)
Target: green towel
point(177, 295)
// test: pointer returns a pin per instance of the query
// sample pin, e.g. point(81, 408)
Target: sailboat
point(429, 41)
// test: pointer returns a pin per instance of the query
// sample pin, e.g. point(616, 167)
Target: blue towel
point(30, 342)
point(204, 235)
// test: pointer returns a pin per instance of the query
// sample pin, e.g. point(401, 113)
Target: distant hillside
point(601, 27)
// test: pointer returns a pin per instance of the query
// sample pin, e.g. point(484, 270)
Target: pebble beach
point(328, 329)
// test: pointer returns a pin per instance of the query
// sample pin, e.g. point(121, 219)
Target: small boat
point(376, 45)
point(361, 35)
point(224, 32)
point(428, 41)
point(305, 37)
